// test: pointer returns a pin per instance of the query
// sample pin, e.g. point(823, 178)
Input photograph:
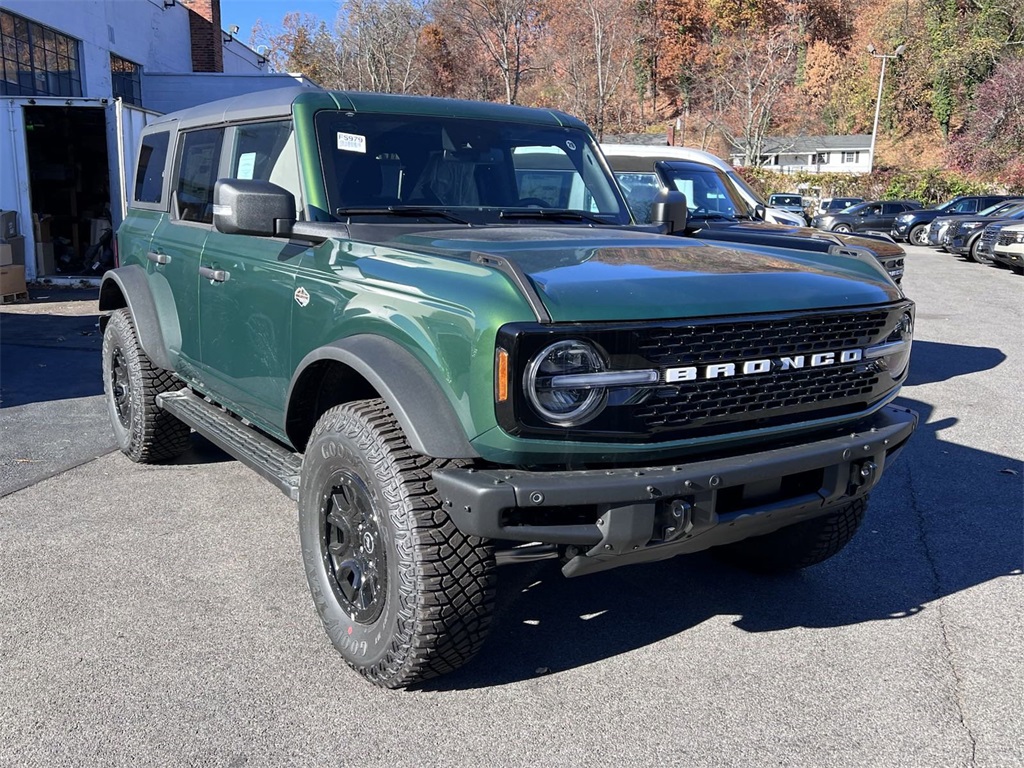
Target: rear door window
point(198, 166)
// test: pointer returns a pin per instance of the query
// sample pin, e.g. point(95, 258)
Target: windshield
point(385, 164)
point(752, 198)
point(1000, 207)
point(785, 200)
point(708, 190)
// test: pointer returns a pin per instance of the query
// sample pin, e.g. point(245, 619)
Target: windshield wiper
point(550, 213)
point(714, 216)
point(402, 210)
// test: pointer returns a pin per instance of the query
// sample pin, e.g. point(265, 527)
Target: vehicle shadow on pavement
point(932, 361)
point(45, 357)
point(928, 534)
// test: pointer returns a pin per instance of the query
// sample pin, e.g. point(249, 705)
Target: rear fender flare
point(128, 287)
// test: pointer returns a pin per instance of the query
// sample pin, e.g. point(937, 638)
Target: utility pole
point(878, 101)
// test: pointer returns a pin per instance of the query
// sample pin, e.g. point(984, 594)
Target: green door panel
point(245, 320)
point(174, 277)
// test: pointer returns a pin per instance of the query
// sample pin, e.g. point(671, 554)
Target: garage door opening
point(69, 184)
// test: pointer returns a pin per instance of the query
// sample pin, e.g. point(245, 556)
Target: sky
point(244, 13)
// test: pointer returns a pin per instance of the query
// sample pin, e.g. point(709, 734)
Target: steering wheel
point(534, 202)
point(700, 209)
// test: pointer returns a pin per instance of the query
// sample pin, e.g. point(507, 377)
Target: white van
point(772, 215)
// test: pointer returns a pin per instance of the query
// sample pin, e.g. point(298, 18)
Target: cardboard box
point(41, 227)
point(12, 280)
point(45, 264)
point(12, 251)
point(8, 224)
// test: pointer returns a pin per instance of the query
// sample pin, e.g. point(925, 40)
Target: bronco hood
point(881, 246)
point(582, 274)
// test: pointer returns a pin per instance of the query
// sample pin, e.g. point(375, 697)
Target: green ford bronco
point(435, 325)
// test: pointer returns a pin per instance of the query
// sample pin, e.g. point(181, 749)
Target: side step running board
point(272, 460)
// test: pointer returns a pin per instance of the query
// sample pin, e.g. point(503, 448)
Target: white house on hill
point(814, 154)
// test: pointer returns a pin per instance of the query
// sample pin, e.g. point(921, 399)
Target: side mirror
point(760, 212)
point(669, 210)
point(252, 207)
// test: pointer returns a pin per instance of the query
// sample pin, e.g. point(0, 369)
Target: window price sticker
point(352, 142)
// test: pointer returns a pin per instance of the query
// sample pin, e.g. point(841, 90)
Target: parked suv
point(874, 216)
point(830, 205)
point(793, 203)
point(717, 210)
point(434, 325)
point(964, 236)
point(762, 211)
point(1009, 247)
point(912, 226)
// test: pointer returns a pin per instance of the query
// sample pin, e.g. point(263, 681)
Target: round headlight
point(561, 405)
point(903, 334)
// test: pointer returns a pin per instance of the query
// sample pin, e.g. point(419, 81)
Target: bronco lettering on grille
point(764, 365)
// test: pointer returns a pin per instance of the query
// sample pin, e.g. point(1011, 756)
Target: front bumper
point(1012, 255)
point(613, 517)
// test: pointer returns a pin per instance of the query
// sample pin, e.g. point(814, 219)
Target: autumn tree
point(505, 30)
point(588, 48)
point(993, 137)
point(383, 37)
point(750, 75)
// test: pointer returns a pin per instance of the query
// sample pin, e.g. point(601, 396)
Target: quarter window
point(36, 60)
point(149, 177)
point(197, 173)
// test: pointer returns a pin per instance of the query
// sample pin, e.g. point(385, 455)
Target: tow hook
point(863, 473)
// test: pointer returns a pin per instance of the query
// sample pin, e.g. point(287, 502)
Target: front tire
point(403, 595)
point(919, 235)
point(145, 433)
point(797, 546)
point(977, 257)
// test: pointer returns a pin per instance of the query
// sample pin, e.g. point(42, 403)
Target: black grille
point(783, 385)
point(729, 400)
point(1007, 238)
point(773, 397)
point(713, 343)
point(988, 238)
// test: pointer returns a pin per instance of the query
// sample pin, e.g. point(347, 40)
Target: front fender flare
point(423, 410)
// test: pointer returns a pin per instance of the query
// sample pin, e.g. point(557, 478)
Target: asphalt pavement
point(159, 614)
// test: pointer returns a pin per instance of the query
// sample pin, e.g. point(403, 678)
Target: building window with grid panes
point(851, 157)
point(36, 60)
point(126, 80)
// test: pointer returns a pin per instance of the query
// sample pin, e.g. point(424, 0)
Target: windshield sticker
point(301, 296)
point(352, 142)
point(246, 165)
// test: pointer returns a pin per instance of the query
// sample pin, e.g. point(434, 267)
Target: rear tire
point(797, 546)
point(403, 595)
point(842, 228)
point(145, 433)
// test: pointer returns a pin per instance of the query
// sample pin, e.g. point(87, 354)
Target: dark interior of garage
point(70, 189)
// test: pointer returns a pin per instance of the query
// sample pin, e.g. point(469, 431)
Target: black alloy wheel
point(354, 552)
